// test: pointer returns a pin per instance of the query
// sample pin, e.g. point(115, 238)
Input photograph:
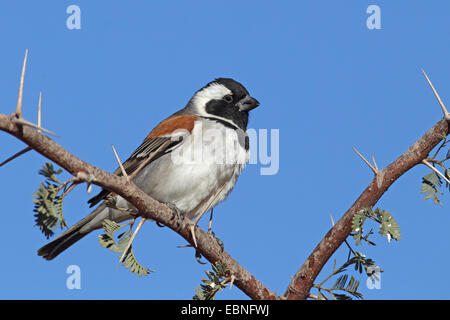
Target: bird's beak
point(247, 103)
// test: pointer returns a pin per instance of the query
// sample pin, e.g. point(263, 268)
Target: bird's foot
point(198, 257)
point(219, 241)
point(176, 213)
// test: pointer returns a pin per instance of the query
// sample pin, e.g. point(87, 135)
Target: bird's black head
point(225, 100)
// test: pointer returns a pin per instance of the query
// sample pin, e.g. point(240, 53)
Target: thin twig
point(73, 185)
point(439, 149)
point(374, 218)
point(439, 163)
point(74, 180)
point(321, 295)
point(425, 162)
point(346, 242)
point(16, 155)
point(313, 296)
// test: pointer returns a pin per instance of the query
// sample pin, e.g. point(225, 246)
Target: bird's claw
point(176, 213)
point(198, 257)
point(160, 224)
point(219, 241)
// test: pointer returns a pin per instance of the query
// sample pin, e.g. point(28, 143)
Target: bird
point(190, 161)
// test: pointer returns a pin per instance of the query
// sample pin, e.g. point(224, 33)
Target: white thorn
point(132, 238)
point(444, 109)
point(30, 124)
point(367, 162)
point(39, 120)
point(124, 173)
point(22, 77)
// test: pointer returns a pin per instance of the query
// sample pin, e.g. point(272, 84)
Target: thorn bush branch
point(302, 282)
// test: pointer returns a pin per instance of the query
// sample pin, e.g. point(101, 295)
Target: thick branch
point(303, 280)
point(148, 207)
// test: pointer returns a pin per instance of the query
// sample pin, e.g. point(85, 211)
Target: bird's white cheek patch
point(214, 91)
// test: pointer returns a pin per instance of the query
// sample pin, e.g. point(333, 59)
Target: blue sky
point(324, 80)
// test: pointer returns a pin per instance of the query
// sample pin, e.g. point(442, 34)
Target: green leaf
point(361, 261)
point(199, 295)
point(107, 240)
point(49, 209)
point(352, 288)
point(341, 281)
point(357, 224)
point(49, 172)
point(340, 296)
point(215, 281)
point(388, 226)
point(431, 184)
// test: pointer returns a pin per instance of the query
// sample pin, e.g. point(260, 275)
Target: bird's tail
point(68, 237)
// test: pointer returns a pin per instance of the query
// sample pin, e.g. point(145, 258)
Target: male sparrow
point(190, 161)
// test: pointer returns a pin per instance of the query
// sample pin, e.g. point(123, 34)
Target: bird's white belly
point(197, 185)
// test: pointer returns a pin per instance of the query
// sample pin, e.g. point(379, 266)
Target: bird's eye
point(228, 98)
